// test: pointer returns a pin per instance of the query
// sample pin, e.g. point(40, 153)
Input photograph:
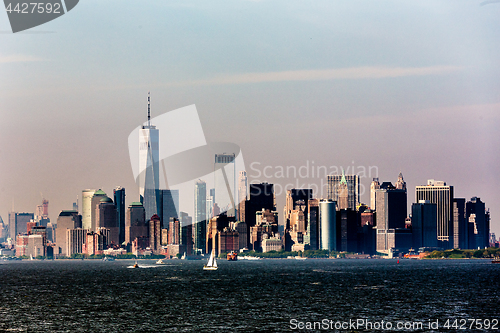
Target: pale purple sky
point(400, 85)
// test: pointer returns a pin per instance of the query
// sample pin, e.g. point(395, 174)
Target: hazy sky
point(409, 86)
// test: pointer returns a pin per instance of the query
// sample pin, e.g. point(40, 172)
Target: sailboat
point(212, 263)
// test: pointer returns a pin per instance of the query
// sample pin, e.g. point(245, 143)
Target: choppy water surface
point(243, 296)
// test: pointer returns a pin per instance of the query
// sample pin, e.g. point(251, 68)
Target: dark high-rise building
point(391, 207)
point(135, 222)
point(292, 197)
point(186, 232)
point(312, 233)
point(478, 223)
point(347, 228)
point(441, 194)
point(169, 205)
point(460, 225)
point(106, 218)
point(352, 181)
point(424, 224)
point(149, 160)
point(390, 216)
point(261, 197)
point(18, 223)
point(200, 216)
point(119, 201)
point(155, 234)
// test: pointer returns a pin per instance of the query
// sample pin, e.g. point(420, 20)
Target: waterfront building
point(135, 222)
point(87, 208)
point(225, 183)
point(186, 232)
point(228, 240)
point(242, 194)
point(200, 215)
point(119, 202)
point(460, 225)
point(424, 224)
point(67, 219)
point(155, 234)
point(272, 244)
point(106, 217)
point(391, 203)
point(375, 185)
point(327, 225)
point(75, 240)
point(442, 195)
point(169, 205)
point(311, 238)
point(149, 177)
point(94, 204)
point(352, 181)
point(18, 223)
point(479, 228)
point(347, 229)
point(241, 228)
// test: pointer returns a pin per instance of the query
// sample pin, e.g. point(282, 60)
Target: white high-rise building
point(149, 165)
point(87, 208)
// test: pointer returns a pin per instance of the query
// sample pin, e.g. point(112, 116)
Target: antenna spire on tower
point(149, 109)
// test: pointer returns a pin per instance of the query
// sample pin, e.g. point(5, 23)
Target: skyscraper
point(119, 196)
point(225, 183)
point(87, 208)
point(242, 194)
point(375, 185)
point(479, 229)
point(149, 178)
point(67, 219)
point(169, 205)
point(439, 193)
point(200, 215)
point(460, 225)
point(424, 224)
point(327, 225)
point(352, 181)
point(135, 222)
point(18, 223)
point(94, 204)
point(106, 217)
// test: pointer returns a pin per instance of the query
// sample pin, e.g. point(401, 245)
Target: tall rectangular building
point(169, 206)
point(149, 166)
point(200, 216)
point(242, 194)
point(460, 225)
point(18, 223)
point(327, 225)
point(475, 211)
point(441, 194)
point(119, 196)
point(424, 224)
point(225, 183)
point(334, 183)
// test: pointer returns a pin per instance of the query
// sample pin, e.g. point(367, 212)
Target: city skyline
point(421, 99)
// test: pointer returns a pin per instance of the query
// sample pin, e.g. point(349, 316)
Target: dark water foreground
point(246, 296)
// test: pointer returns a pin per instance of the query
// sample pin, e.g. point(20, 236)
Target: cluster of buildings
point(236, 216)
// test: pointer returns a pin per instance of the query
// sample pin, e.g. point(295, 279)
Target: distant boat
point(232, 256)
point(300, 258)
point(160, 262)
point(496, 261)
point(136, 265)
point(212, 263)
point(108, 259)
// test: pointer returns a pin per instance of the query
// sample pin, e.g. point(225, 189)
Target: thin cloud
point(18, 58)
point(330, 74)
